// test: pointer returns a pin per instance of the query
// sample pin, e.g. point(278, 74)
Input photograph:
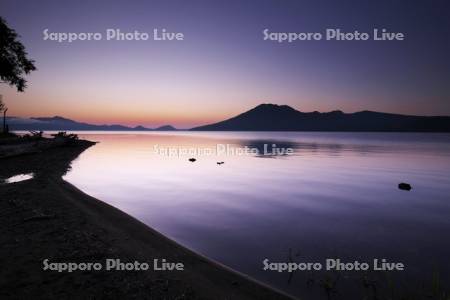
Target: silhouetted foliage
point(14, 63)
point(3, 109)
point(36, 134)
point(65, 135)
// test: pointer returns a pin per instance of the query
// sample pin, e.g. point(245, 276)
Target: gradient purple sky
point(223, 67)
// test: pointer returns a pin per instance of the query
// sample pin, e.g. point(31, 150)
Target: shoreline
point(49, 218)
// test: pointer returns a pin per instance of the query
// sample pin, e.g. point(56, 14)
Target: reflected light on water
point(19, 178)
point(336, 195)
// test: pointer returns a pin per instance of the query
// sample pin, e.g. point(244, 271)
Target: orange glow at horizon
point(182, 118)
point(153, 114)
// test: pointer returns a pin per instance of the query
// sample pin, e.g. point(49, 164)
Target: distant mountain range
point(60, 123)
point(271, 117)
point(267, 117)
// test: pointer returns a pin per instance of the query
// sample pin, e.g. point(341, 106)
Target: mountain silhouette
point(165, 128)
point(272, 117)
point(60, 123)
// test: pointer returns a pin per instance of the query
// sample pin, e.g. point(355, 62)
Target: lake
point(317, 196)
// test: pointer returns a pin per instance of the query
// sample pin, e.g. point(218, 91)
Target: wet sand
point(48, 218)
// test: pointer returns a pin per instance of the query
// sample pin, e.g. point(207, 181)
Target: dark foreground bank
point(48, 218)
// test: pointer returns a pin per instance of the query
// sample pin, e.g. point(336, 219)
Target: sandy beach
point(48, 218)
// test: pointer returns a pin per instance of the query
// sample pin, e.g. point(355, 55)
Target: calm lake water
point(336, 196)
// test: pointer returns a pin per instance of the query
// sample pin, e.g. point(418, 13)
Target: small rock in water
point(192, 159)
point(404, 186)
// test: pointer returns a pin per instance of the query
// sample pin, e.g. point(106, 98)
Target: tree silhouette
point(3, 109)
point(14, 63)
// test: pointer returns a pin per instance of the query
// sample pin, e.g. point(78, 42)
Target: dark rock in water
point(192, 159)
point(404, 186)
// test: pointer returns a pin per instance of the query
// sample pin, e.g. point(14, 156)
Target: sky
point(224, 66)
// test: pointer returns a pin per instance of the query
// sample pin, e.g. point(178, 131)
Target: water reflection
point(271, 148)
point(281, 148)
point(18, 178)
point(337, 196)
